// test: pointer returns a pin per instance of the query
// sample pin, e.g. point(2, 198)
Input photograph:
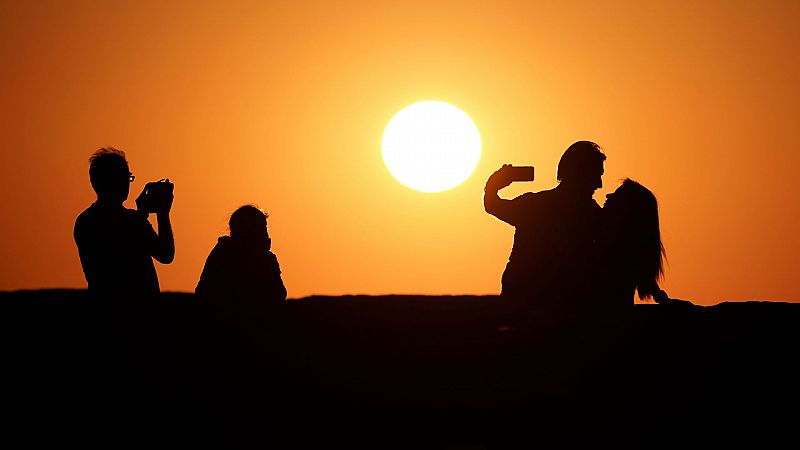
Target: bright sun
point(431, 146)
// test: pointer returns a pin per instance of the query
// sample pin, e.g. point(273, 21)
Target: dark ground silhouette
point(395, 372)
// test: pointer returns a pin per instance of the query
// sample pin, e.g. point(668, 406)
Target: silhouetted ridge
point(397, 372)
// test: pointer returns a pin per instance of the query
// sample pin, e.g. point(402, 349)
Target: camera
point(157, 196)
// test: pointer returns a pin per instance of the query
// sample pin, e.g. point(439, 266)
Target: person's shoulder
point(92, 211)
point(545, 196)
point(134, 214)
point(86, 217)
point(137, 219)
point(81, 222)
point(222, 246)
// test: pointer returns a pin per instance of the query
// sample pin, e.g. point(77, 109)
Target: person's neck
point(106, 203)
point(573, 192)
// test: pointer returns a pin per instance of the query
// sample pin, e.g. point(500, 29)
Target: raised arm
point(163, 244)
point(501, 208)
point(164, 248)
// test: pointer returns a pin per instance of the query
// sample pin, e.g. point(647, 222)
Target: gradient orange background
point(283, 104)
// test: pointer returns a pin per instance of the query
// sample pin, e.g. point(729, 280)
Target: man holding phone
point(555, 230)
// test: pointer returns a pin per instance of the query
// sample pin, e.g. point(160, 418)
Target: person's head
point(634, 210)
point(581, 167)
point(248, 224)
point(110, 175)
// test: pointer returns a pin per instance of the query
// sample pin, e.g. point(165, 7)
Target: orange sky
point(284, 105)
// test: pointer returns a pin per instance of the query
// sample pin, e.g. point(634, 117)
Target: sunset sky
point(283, 104)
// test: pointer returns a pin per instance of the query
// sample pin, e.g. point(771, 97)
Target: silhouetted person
point(241, 272)
point(631, 254)
point(555, 230)
point(117, 245)
point(241, 282)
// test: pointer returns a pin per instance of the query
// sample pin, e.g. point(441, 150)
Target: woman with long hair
point(631, 252)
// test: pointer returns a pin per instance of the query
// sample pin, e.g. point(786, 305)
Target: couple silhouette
point(571, 255)
point(117, 245)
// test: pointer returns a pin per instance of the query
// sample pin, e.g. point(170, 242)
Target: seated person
point(555, 232)
point(241, 273)
point(631, 254)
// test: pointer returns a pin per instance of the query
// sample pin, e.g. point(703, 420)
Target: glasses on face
point(131, 177)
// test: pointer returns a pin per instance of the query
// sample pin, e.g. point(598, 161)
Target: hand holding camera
point(156, 197)
point(508, 174)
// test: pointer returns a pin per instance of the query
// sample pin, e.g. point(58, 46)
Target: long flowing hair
point(641, 236)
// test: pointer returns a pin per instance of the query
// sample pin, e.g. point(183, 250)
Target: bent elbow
point(165, 258)
point(489, 205)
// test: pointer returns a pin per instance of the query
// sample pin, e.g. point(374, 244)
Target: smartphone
point(521, 173)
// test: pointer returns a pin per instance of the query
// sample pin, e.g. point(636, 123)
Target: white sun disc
point(431, 146)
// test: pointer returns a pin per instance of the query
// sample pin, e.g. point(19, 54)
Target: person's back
point(553, 241)
point(241, 273)
point(236, 275)
point(555, 231)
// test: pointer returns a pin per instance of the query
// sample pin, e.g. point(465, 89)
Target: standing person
point(555, 230)
point(117, 245)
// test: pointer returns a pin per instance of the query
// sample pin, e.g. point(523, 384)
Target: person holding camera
point(117, 245)
point(555, 230)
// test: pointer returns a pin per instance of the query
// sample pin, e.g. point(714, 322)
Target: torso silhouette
point(241, 276)
point(616, 284)
point(553, 247)
point(115, 245)
point(617, 262)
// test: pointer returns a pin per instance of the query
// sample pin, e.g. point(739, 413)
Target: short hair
point(578, 157)
point(247, 217)
point(104, 165)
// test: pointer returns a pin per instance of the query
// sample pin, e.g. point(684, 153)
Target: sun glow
point(431, 146)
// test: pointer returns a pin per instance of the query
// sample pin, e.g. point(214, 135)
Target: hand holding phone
point(508, 174)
